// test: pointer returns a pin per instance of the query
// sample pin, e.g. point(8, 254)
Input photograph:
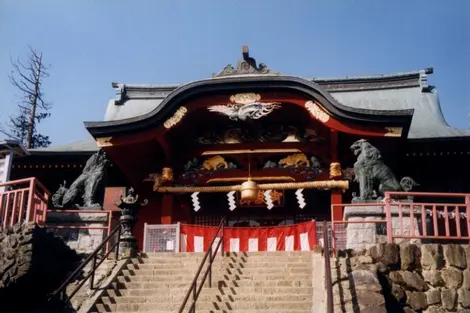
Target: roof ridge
point(417, 73)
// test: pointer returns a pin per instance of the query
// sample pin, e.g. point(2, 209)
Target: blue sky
point(90, 44)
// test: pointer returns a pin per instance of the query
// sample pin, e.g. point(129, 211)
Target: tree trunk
point(34, 102)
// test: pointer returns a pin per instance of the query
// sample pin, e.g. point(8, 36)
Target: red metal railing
point(446, 217)
point(210, 254)
point(23, 200)
point(96, 259)
point(26, 200)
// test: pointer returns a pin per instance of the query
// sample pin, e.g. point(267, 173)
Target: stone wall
point(408, 278)
point(81, 240)
point(33, 263)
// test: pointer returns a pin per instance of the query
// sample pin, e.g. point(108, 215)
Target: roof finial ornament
point(245, 66)
point(250, 61)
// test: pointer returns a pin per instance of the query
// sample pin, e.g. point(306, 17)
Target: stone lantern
point(129, 206)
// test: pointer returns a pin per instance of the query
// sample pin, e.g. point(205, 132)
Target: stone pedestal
point(366, 235)
point(81, 240)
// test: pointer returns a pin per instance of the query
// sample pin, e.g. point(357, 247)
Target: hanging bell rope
point(326, 184)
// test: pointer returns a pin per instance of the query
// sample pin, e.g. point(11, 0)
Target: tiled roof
point(87, 146)
point(428, 120)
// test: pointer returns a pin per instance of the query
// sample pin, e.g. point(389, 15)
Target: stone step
point(239, 263)
point(261, 282)
point(195, 266)
point(197, 256)
point(188, 262)
point(165, 291)
point(218, 270)
point(207, 297)
point(226, 254)
point(230, 306)
point(262, 258)
point(219, 284)
point(215, 276)
point(221, 311)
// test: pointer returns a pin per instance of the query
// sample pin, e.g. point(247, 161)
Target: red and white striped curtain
point(299, 237)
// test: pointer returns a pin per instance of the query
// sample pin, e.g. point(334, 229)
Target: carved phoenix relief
point(242, 112)
point(246, 106)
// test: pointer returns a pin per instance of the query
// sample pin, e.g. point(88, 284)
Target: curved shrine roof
point(401, 91)
point(371, 94)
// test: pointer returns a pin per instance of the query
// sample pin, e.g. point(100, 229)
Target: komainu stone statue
point(87, 191)
point(373, 175)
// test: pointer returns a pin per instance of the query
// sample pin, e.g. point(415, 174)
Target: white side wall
point(5, 168)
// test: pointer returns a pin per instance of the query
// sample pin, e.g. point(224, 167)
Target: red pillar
point(167, 209)
point(336, 195)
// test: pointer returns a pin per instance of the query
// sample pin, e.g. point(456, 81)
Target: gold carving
point(335, 170)
point(104, 141)
point(214, 163)
point(176, 118)
point(316, 111)
point(161, 179)
point(245, 98)
point(295, 160)
point(393, 131)
point(276, 196)
point(157, 180)
point(167, 174)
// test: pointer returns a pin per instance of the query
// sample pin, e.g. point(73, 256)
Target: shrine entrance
point(213, 142)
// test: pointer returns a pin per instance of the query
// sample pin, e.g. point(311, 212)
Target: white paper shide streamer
point(451, 215)
point(439, 213)
point(300, 198)
point(195, 199)
point(268, 199)
point(231, 200)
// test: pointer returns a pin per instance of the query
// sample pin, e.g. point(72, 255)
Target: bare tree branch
point(28, 78)
point(16, 66)
point(22, 86)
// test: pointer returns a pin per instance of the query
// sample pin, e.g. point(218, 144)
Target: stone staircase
point(261, 282)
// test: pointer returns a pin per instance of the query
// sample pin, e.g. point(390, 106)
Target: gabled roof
point(157, 114)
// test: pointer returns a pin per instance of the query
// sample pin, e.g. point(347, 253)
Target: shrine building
point(258, 147)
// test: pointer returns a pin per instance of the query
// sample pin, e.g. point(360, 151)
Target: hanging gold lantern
point(249, 190)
